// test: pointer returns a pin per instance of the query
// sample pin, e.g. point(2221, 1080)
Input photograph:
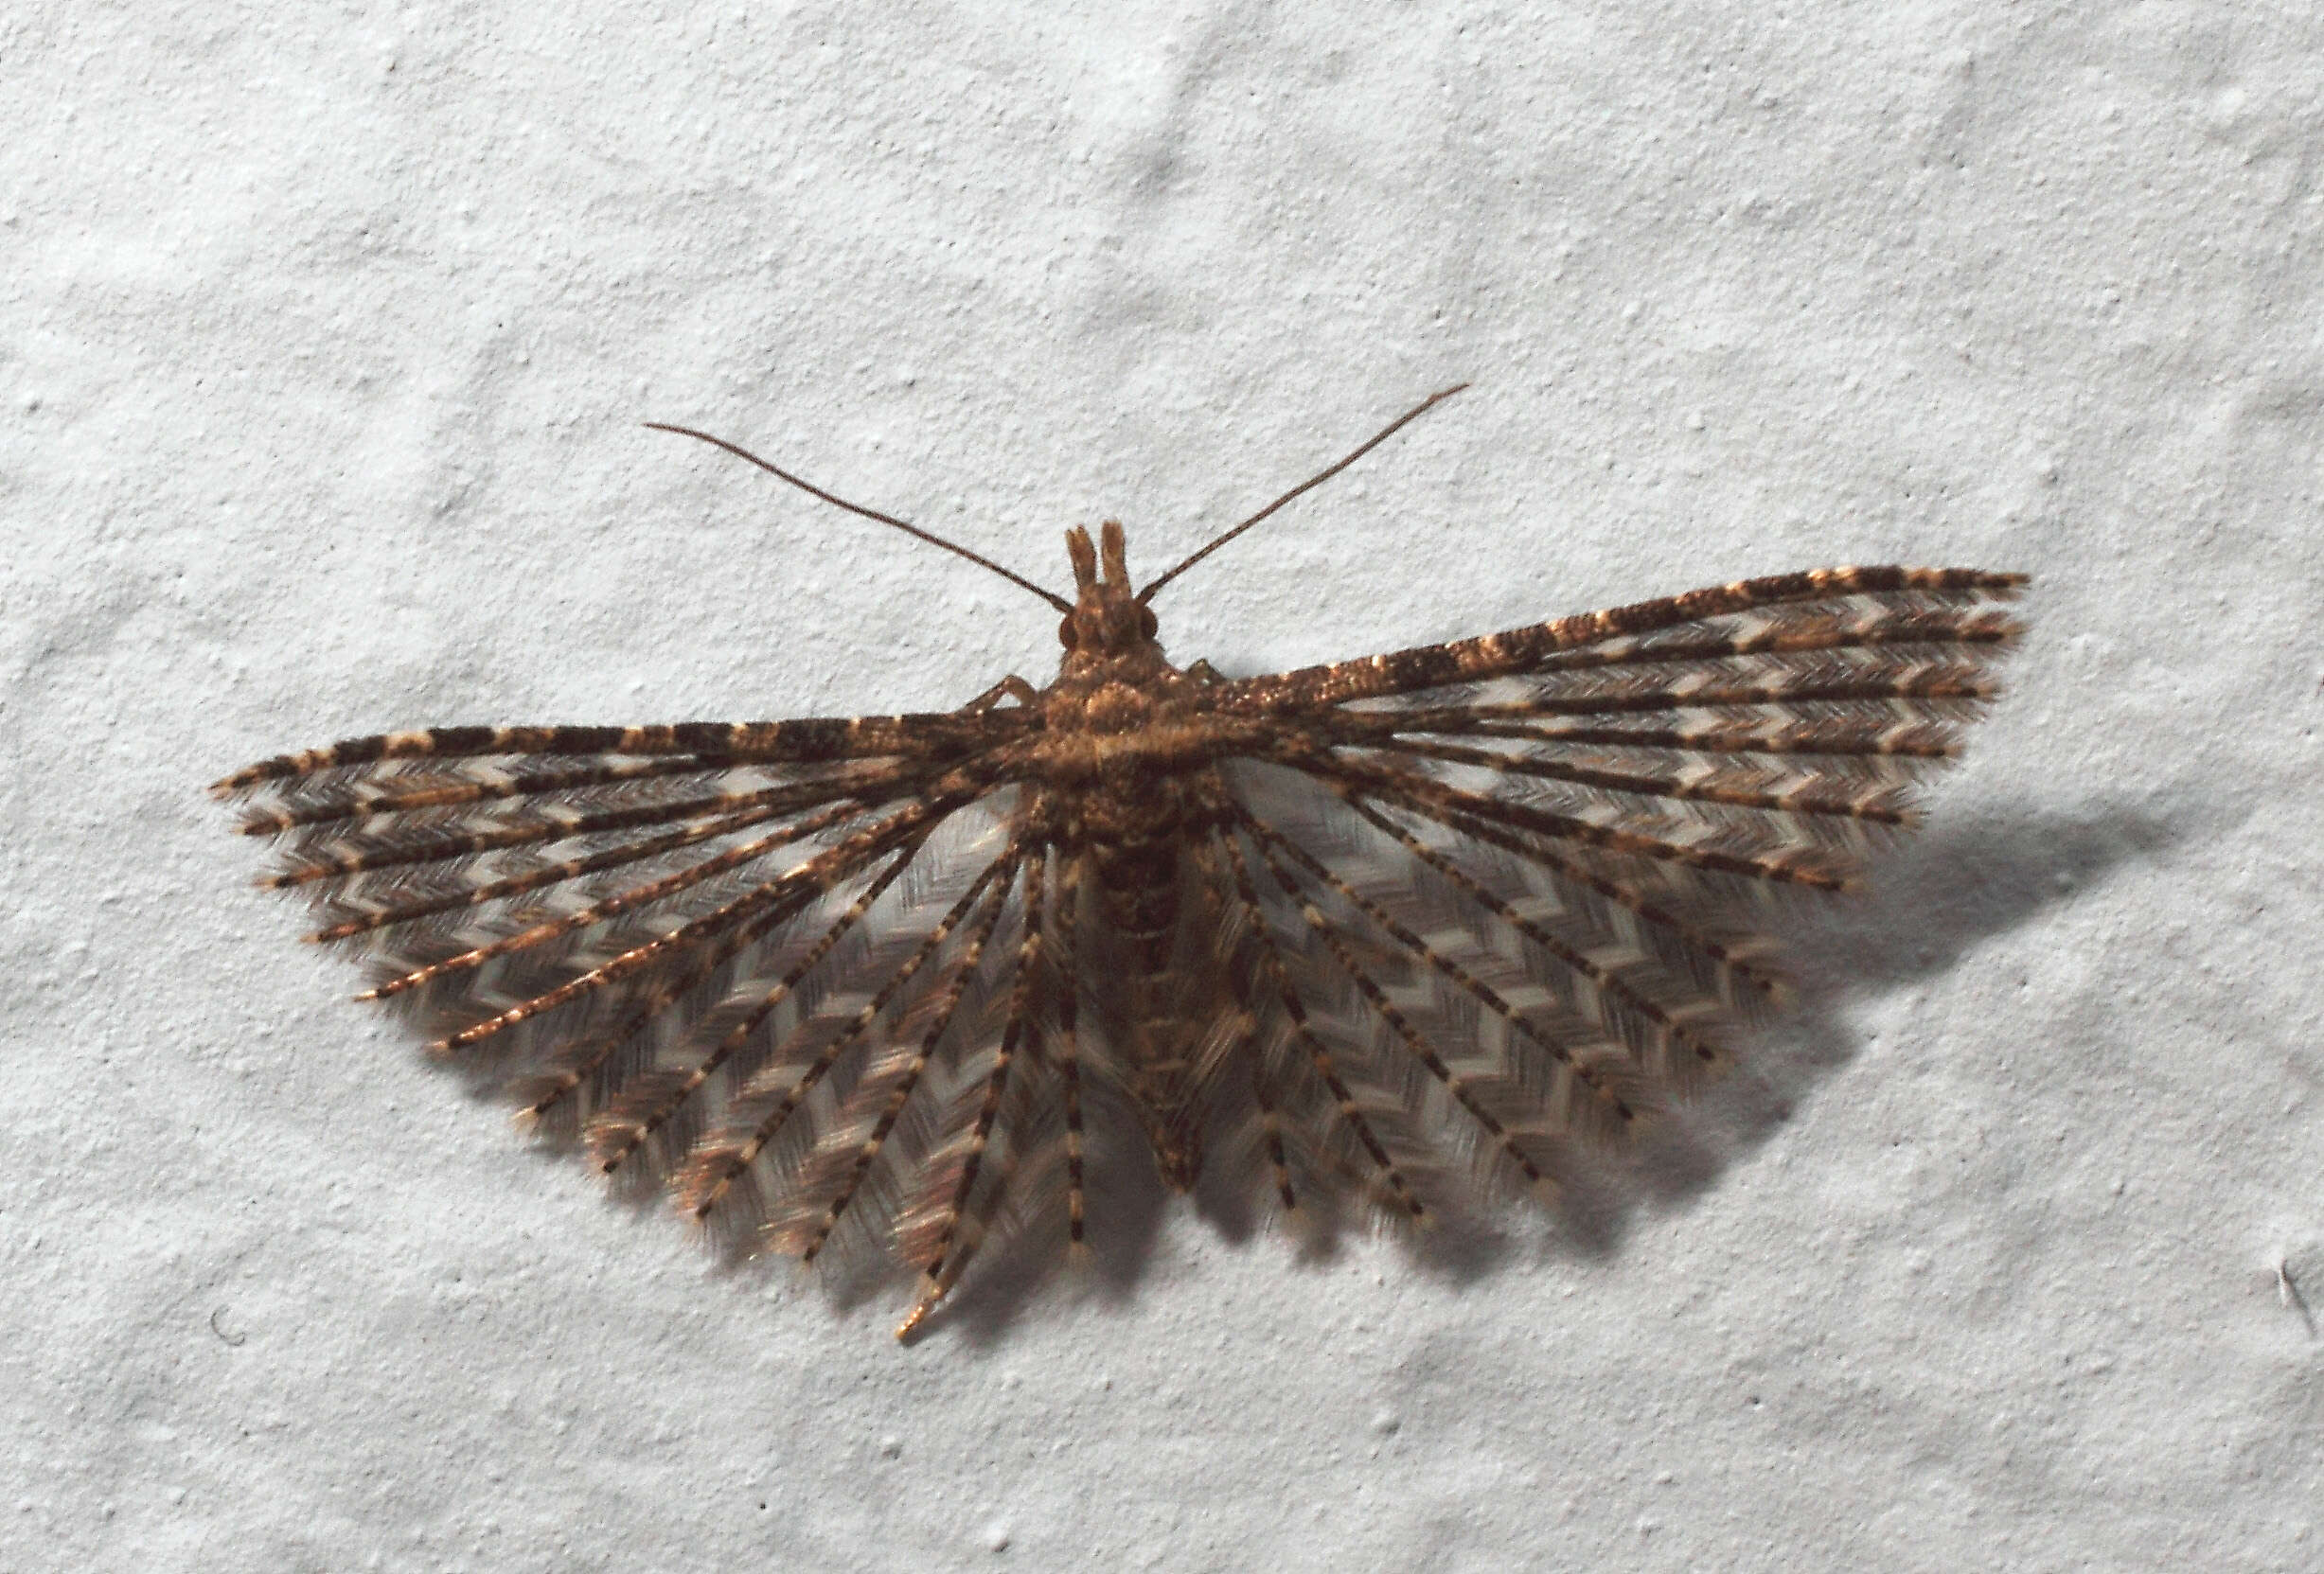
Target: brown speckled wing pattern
point(1385, 938)
point(1445, 917)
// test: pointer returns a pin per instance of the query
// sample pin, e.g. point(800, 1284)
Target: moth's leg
point(1203, 672)
point(1011, 687)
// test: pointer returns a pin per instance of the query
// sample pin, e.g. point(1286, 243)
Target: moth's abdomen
point(1138, 896)
point(1138, 903)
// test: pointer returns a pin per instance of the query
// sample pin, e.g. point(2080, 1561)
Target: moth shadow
point(1021, 1281)
point(1020, 1277)
point(1966, 881)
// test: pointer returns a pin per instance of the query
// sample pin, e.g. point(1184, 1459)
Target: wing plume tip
point(931, 1295)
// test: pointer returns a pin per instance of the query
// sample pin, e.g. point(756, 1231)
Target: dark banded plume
point(1392, 935)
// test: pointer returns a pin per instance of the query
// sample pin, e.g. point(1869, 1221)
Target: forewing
point(793, 967)
point(1509, 893)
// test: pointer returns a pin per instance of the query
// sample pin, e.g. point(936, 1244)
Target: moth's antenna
point(1058, 602)
point(1385, 433)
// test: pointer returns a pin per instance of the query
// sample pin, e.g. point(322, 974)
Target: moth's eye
point(1147, 623)
point(1065, 632)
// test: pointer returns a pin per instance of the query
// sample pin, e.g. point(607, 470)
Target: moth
point(1384, 938)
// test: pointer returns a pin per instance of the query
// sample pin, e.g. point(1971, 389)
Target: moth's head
point(1107, 619)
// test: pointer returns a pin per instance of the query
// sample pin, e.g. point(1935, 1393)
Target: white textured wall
point(325, 333)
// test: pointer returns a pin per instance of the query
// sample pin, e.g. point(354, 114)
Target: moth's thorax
point(1120, 742)
point(1137, 661)
point(1114, 678)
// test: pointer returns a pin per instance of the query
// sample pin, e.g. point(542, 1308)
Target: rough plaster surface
point(323, 338)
